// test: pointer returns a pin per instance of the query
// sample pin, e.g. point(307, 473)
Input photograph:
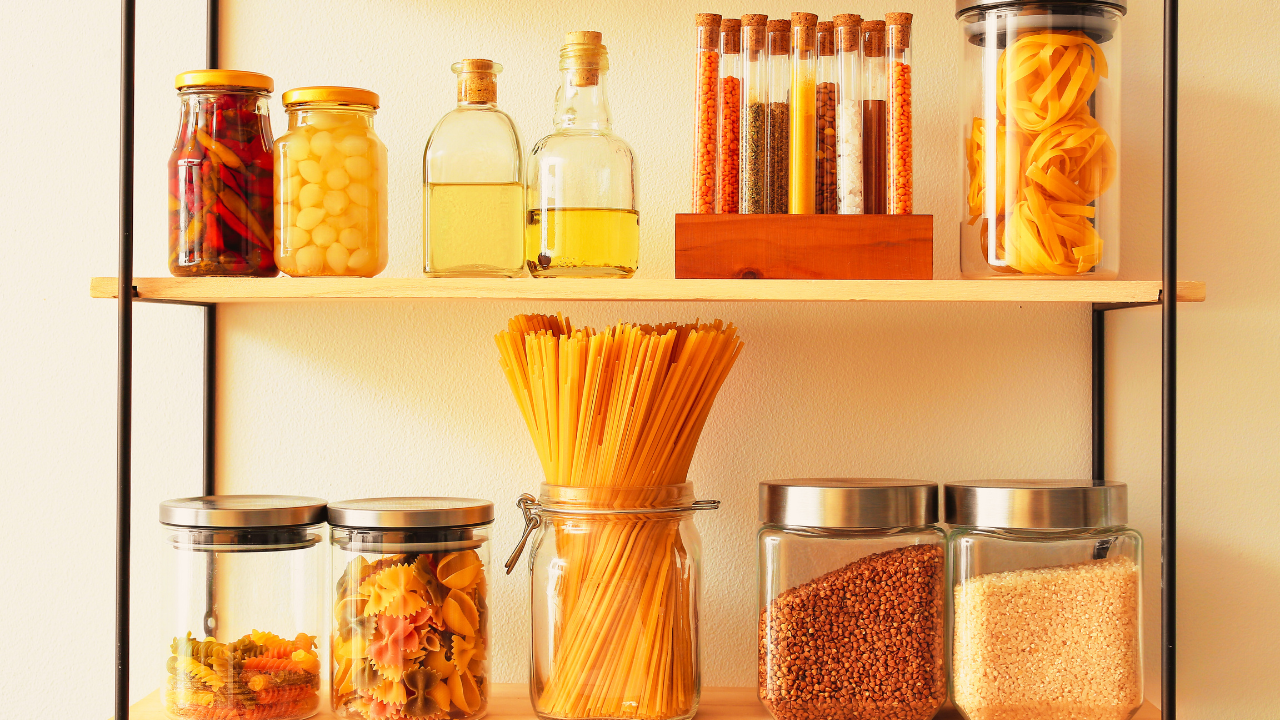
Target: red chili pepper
point(260, 187)
point(231, 180)
point(213, 233)
point(265, 160)
point(233, 223)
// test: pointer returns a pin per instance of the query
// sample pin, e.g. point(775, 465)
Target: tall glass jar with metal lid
point(247, 575)
point(851, 580)
point(331, 185)
point(616, 575)
point(220, 176)
point(1046, 602)
point(410, 634)
point(1040, 110)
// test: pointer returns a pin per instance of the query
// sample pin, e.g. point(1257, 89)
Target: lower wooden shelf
point(510, 701)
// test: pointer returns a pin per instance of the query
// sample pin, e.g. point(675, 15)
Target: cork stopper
point(708, 31)
point(873, 38)
point(849, 32)
point(899, 34)
point(730, 36)
point(584, 56)
point(826, 38)
point(803, 19)
point(477, 80)
point(754, 20)
point(779, 37)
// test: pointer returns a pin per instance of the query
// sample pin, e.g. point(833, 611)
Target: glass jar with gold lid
point(331, 185)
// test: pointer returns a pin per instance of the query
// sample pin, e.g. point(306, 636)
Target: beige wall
point(345, 400)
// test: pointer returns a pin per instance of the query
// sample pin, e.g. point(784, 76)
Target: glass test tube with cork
point(706, 107)
point(753, 135)
point(729, 121)
point(874, 119)
point(779, 41)
point(898, 65)
point(825, 198)
point(804, 121)
point(848, 47)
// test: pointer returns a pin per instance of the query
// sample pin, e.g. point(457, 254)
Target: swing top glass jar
point(410, 607)
point(220, 176)
point(331, 185)
point(1040, 89)
point(1046, 600)
point(851, 582)
point(247, 644)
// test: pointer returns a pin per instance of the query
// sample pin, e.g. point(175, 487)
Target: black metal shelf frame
point(127, 295)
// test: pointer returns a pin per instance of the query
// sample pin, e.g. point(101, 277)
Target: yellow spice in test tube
point(804, 137)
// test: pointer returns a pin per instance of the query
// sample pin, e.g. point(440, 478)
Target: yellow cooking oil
point(473, 229)
point(582, 242)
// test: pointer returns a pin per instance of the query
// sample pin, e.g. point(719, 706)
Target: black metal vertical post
point(124, 389)
point(1169, 372)
point(1099, 390)
point(210, 485)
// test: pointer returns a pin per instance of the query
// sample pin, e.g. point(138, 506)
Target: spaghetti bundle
point(1064, 159)
point(615, 417)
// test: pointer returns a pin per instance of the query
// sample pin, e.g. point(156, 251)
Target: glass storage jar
point(410, 634)
point(1046, 600)
point(248, 575)
point(1040, 94)
point(581, 192)
point(616, 578)
point(331, 185)
point(473, 187)
point(851, 579)
point(220, 176)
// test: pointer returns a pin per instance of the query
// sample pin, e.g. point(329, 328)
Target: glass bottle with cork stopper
point(778, 190)
point(754, 134)
point(848, 42)
point(898, 46)
point(729, 124)
point(581, 190)
point(825, 200)
point(473, 195)
point(804, 120)
point(706, 111)
point(875, 183)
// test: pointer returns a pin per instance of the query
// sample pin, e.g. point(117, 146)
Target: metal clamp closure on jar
point(553, 503)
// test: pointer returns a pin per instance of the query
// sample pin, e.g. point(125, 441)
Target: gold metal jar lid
point(848, 503)
point(330, 94)
point(1036, 504)
point(224, 78)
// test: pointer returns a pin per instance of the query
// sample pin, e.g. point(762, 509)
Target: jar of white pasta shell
point(410, 633)
point(247, 575)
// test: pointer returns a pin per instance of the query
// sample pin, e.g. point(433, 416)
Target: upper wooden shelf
point(511, 702)
point(228, 290)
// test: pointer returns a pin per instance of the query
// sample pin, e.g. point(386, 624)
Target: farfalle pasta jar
point(410, 632)
point(247, 616)
point(1040, 94)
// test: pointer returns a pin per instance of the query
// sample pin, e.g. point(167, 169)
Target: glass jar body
point(1042, 187)
point(839, 612)
point(1045, 624)
point(220, 209)
point(331, 193)
point(473, 195)
point(640, 619)
point(263, 655)
point(410, 622)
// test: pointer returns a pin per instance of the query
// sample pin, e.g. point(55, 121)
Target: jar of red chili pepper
point(331, 185)
point(220, 208)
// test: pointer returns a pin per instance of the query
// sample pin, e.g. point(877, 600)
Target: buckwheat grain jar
point(1046, 600)
point(851, 599)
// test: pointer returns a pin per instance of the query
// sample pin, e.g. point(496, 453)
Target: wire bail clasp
point(530, 506)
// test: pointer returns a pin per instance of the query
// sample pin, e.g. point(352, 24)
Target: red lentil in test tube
point(727, 175)
point(706, 109)
point(898, 66)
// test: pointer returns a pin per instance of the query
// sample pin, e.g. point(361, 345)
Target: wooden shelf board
point(511, 702)
point(228, 290)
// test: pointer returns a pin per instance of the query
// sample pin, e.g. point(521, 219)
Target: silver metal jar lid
point(1036, 504)
point(242, 511)
point(848, 502)
point(964, 6)
point(410, 512)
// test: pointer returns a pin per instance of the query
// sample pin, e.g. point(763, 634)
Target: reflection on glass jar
point(331, 185)
point(410, 634)
point(248, 572)
point(1046, 601)
point(1040, 88)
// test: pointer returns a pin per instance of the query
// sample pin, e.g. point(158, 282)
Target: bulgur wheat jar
point(1046, 602)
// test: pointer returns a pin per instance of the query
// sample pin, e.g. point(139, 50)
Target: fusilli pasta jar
point(1040, 108)
point(248, 575)
point(410, 633)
